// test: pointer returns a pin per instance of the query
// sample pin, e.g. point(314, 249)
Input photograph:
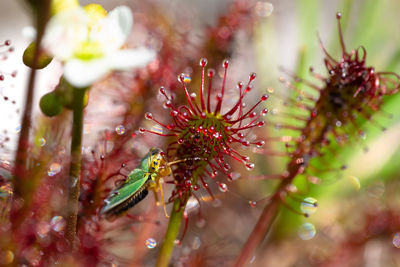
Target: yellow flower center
point(95, 12)
point(89, 49)
point(58, 6)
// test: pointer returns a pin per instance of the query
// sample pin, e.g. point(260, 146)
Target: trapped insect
point(145, 177)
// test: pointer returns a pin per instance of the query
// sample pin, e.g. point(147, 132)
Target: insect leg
point(155, 186)
point(160, 186)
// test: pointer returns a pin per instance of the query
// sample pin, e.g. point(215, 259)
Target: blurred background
point(357, 222)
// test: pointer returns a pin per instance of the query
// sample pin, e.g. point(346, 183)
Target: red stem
point(256, 237)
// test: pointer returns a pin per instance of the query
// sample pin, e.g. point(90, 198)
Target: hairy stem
point(75, 165)
point(314, 131)
point(174, 225)
point(262, 227)
point(21, 181)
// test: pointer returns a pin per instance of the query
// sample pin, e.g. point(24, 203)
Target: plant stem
point(75, 165)
point(21, 181)
point(174, 225)
point(257, 235)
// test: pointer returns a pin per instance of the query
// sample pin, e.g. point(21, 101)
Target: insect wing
point(136, 180)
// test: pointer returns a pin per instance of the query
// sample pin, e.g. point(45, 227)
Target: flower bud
point(50, 104)
point(44, 59)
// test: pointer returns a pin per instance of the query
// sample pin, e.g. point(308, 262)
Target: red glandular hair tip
point(203, 131)
point(5, 50)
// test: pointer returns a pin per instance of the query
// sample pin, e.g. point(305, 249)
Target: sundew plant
point(199, 133)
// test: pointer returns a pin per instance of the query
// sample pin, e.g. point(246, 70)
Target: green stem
point(75, 165)
point(174, 225)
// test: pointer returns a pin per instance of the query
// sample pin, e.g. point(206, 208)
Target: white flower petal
point(123, 15)
point(129, 58)
point(82, 74)
point(112, 31)
point(65, 31)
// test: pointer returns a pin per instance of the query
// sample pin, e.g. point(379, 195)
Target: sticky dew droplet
point(151, 243)
point(309, 205)
point(264, 9)
point(250, 166)
point(58, 223)
point(223, 187)
point(42, 141)
point(396, 240)
point(307, 231)
point(120, 129)
point(54, 169)
point(196, 243)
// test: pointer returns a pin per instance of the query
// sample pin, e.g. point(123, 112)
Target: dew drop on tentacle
point(223, 187)
point(225, 63)
point(260, 143)
point(162, 90)
point(252, 203)
point(195, 187)
point(309, 205)
point(142, 130)
point(148, 116)
point(265, 97)
point(250, 166)
point(203, 62)
point(264, 112)
point(233, 176)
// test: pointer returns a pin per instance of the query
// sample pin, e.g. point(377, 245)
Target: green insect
point(145, 177)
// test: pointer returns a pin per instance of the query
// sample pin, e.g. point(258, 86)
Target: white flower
point(88, 41)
